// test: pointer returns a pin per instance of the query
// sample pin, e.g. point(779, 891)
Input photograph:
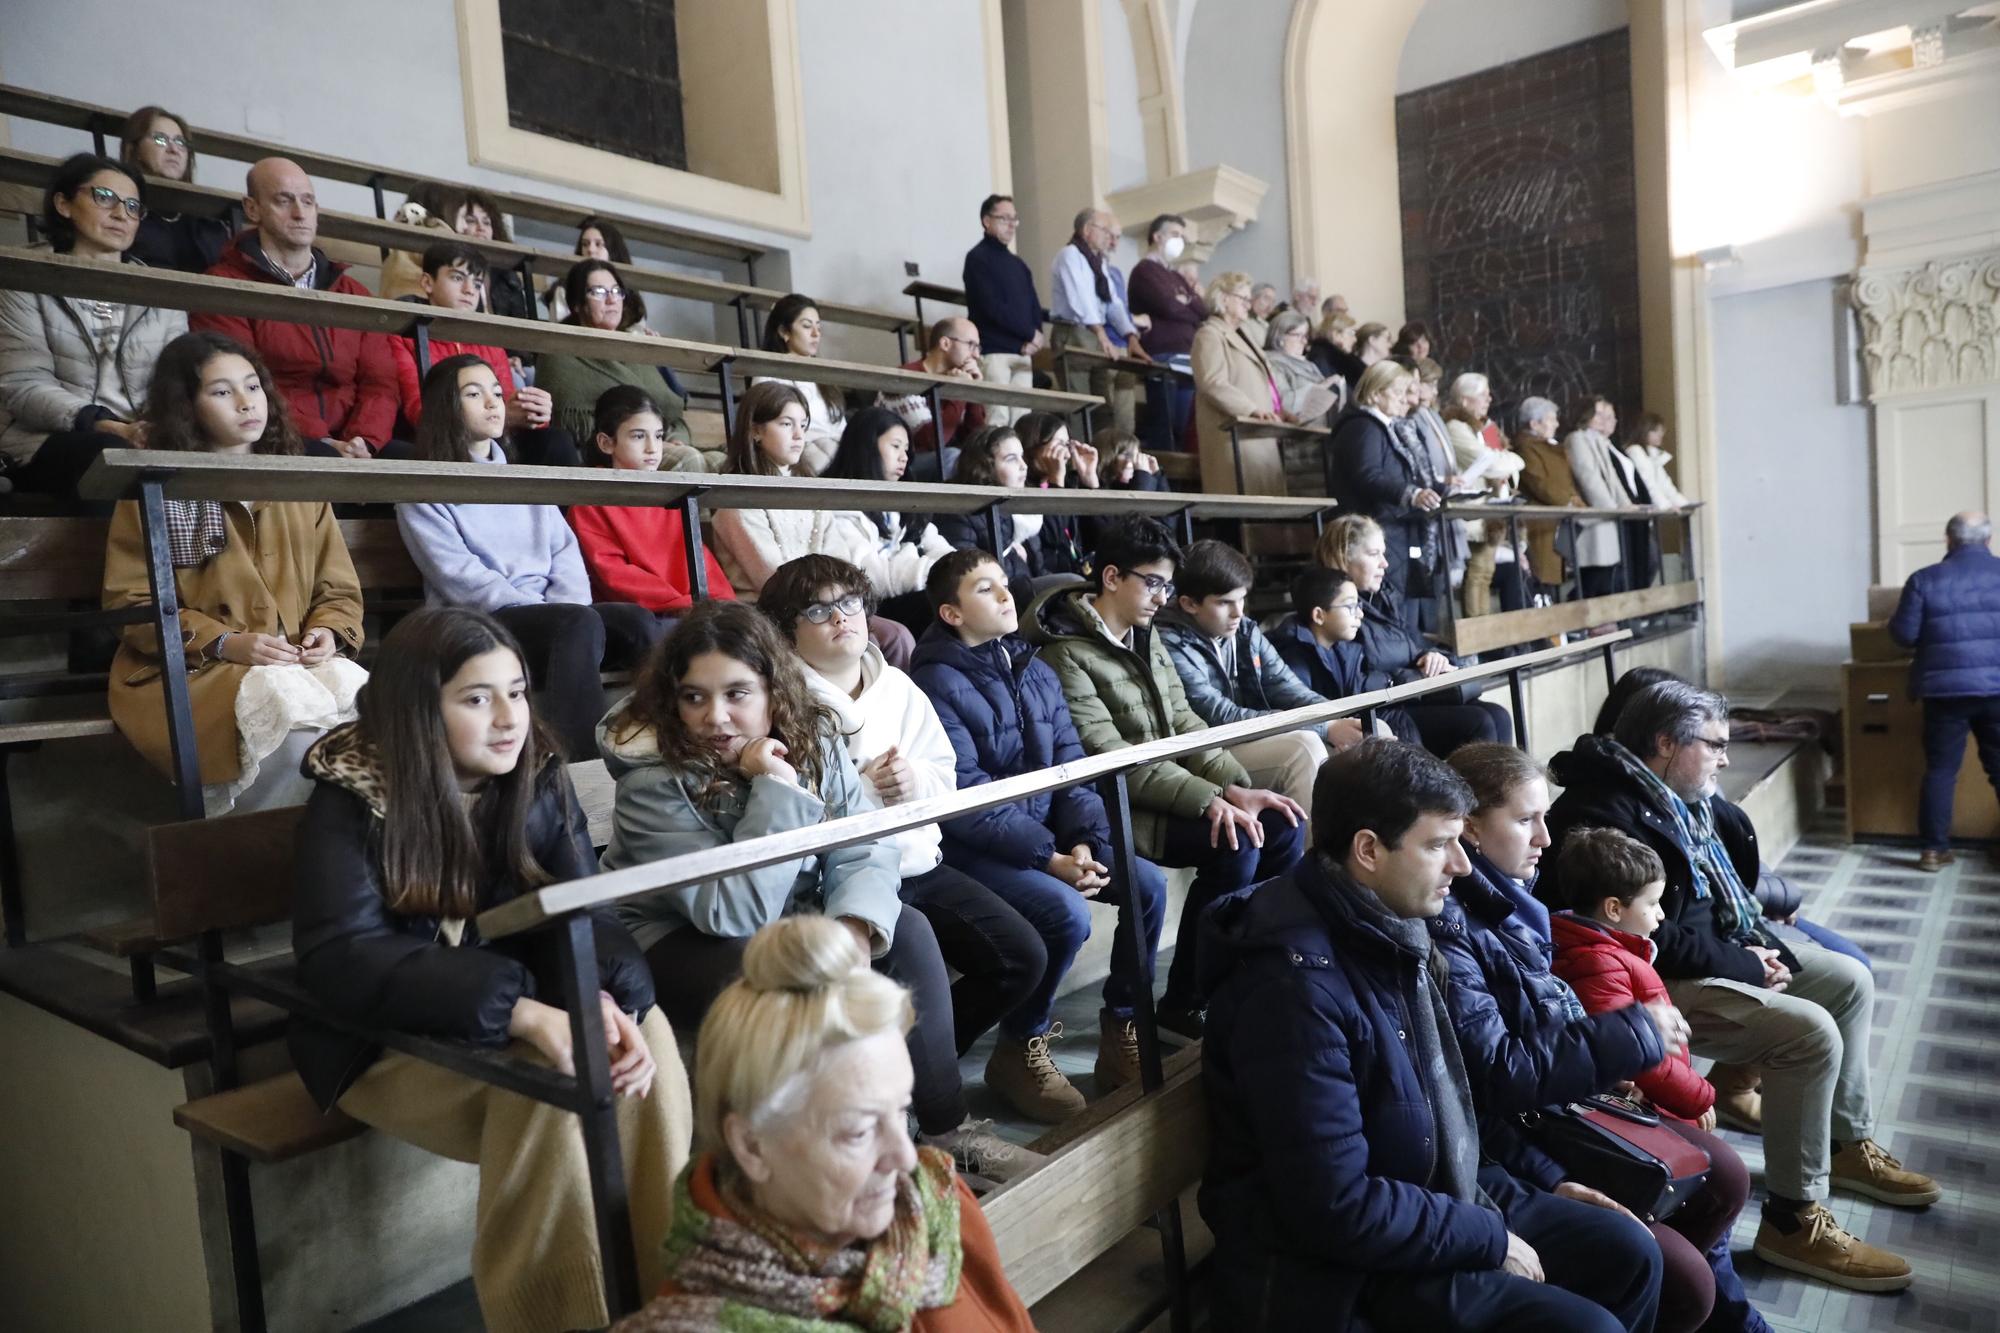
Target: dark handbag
point(1645, 1166)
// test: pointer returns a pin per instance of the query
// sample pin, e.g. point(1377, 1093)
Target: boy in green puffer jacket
point(1198, 811)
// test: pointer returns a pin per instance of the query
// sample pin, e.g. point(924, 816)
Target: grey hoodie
point(655, 816)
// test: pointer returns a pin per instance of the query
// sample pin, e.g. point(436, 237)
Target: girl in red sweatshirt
point(637, 553)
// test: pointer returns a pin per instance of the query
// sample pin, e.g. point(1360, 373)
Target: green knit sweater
point(576, 383)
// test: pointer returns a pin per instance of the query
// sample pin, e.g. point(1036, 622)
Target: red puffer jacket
point(339, 383)
point(1610, 969)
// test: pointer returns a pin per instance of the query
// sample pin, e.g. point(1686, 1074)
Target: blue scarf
point(1736, 908)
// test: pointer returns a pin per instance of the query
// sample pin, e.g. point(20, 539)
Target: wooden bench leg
point(10, 861)
point(145, 987)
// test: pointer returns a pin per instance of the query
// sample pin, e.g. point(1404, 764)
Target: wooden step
point(131, 938)
point(272, 1121)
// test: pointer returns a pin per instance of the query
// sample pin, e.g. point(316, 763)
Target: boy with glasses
point(1318, 641)
point(1199, 811)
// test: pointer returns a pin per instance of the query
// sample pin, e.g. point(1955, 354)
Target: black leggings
point(690, 969)
point(567, 645)
point(998, 955)
point(60, 461)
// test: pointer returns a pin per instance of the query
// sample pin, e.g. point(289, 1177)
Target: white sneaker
point(980, 1152)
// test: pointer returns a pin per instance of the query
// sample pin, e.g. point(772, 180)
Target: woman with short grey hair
point(1545, 480)
point(1308, 395)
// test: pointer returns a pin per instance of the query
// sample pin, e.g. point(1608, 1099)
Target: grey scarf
point(1434, 1044)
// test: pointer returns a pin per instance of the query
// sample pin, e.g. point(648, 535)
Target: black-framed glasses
point(853, 604)
point(604, 293)
point(1155, 585)
point(107, 199)
point(1720, 747)
point(164, 140)
point(1354, 605)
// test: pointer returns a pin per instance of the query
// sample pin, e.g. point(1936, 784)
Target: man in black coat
point(1754, 992)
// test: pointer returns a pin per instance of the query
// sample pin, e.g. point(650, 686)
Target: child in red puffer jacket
point(1604, 950)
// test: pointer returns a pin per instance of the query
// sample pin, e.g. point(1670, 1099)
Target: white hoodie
point(893, 711)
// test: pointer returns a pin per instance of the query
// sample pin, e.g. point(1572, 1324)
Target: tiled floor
point(1935, 940)
point(1935, 1059)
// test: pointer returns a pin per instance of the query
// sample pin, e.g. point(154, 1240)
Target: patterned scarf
point(196, 531)
point(1736, 908)
point(1408, 438)
point(1102, 280)
point(731, 1267)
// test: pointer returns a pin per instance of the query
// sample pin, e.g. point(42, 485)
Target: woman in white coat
point(1599, 471)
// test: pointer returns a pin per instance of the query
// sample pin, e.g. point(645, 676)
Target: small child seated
point(1604, 950)
point(1317, 641)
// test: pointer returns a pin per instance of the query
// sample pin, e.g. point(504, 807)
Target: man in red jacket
point(952, 349)
point(339, 383)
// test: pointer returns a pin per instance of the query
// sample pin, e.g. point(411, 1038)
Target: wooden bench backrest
point(235, 871)
point(44, 557)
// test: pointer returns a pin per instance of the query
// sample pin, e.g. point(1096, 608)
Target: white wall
point(1232, 88)
point(1453, 38)
point(1794, 472)
point(380, 82)
point(1125, 132)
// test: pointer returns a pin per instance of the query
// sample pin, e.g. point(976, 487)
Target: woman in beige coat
point(1232, 382)
point(269, 600)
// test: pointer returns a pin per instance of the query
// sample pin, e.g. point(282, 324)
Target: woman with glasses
point(74, 371)
point(158, 143)
point(1308, 395)
point(599, 299)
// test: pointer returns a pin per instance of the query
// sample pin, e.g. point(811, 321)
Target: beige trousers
point(1119, 392)
point(1009, 368)
point(1477, 590)
point(534, 1250)
point(1287, 763)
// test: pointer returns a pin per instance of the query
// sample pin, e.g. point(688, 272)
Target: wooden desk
point(1885, 760)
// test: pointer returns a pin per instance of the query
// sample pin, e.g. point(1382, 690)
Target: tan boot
point(1738, 1102)
point(1025, 1075)
point(1865, 1167)
point(1117, 1051)
point(1821, 1248)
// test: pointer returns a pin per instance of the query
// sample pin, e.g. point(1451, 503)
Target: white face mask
point(1172, 249)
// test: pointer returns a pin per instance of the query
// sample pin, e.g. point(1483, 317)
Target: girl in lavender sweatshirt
point(519, 562)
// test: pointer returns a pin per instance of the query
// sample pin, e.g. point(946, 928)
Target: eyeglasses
point(821, 612)
point(605, 293)
point(163, 140)
point(1714, 747)
point(1005, 219)
point(107, 199)
point(1155, 585)
point(1344, 606)
point(973, 343)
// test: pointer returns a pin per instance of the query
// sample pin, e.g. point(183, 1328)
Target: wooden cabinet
point(1885, 760)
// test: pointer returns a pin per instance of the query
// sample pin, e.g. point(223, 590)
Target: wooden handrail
point(61, 275)
point(36, 169)
point(117, 473)
point(1501, 511)
point(89, 116)
point(612, 886)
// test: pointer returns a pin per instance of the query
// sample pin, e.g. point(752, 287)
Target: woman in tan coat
point(269, 600)
point(1232, 382)
point(1545, 480)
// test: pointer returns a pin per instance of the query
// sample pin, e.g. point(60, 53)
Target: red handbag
point(1611, 1145)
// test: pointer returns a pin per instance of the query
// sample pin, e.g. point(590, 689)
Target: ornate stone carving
point(1927, 45)
point(1931, 326)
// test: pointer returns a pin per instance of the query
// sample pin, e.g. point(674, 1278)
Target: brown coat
point(1545, 480)
point(1232, 380)
point(284, 571)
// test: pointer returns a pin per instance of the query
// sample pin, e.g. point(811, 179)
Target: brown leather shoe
point(1821, 1248)
point(1865, 1167)
point(1935, 859)
point(1739, 1101)
point(1117, 1051)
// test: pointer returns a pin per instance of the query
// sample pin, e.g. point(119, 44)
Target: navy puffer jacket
point(1950, 613)
point(1005, 713)
point(1526, 1040)
point(1320, 1125)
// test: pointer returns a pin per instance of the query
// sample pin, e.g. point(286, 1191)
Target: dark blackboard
point(1520, 244)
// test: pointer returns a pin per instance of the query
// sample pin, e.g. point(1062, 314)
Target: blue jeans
point(1219, 871)
point(1828, 938)
point(1946, 722)
point(1061, 916)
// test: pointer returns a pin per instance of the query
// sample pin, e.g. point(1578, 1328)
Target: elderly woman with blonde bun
point(1232, 382)
point(806, 1206)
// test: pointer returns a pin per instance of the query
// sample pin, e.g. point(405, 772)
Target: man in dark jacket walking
point(1950, 613)
point(339, 383)
point(1345, 1177)
point(1753, 991)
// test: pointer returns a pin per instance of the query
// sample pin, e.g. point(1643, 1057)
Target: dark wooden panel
point(272, 1121)
point(1520, 239)
point(222, 873)
point(51, 558)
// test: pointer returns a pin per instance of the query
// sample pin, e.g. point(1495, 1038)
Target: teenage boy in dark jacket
point(1344, 1176)
point(1047, 855)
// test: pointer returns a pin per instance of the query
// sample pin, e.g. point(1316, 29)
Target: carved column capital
point(1930, 326)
